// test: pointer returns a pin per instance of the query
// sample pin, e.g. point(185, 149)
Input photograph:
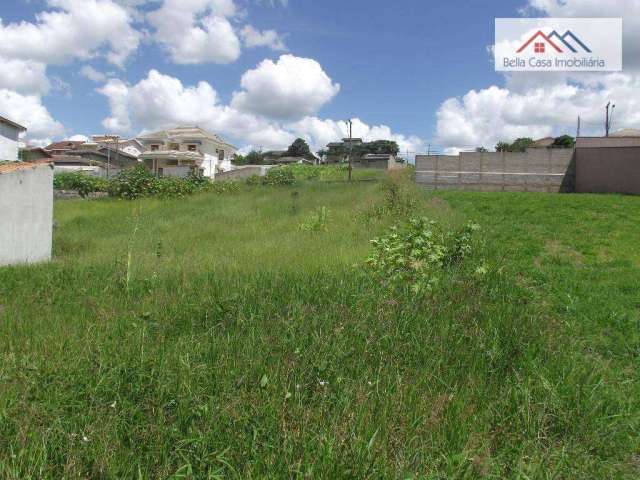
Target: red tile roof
point(64, 145)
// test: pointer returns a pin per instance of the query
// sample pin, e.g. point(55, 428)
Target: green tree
point(481, 150)
point(521, 144)
point(564, 141)
point(382, 146)
point(299, 148)
point(239, 159)
point(254, 158)
point(503, 147)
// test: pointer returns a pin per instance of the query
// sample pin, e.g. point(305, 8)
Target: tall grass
point(243, 346)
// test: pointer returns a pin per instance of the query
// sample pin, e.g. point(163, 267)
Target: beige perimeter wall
point(26, 215)
point(536, 170)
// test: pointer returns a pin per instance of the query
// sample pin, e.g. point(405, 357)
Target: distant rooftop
point(65, 145)
point(12, 123)
point(186, 132)
point(626, 132)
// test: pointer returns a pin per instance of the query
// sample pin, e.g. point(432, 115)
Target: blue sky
point(418, 71)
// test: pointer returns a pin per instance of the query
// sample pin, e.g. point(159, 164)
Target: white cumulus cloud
point(24, 76)
point(92, 74)
point(161, 101)
point(291, 88)
point(72, 29)
point(266, 38)
point(196, 31)
point(29, 111)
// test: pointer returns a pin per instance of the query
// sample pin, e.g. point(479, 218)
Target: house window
point(155, 148)
point(221, 155)
point(539, 47)
point(174, 146)
point(192, 148)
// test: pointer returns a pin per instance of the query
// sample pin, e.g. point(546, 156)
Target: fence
point(537, 169)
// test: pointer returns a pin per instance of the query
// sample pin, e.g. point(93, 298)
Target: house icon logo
point(554, 43)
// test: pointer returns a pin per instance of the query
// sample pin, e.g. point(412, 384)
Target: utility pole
point(609, 118)
point(578, 129)
point(110, 138)
point(350, 123)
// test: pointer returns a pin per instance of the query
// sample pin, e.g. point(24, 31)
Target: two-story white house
point(9, 139)
point(183, 150)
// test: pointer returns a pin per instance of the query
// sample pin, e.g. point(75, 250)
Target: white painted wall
point(26, 215)
point(131, 150)
point(8, 142)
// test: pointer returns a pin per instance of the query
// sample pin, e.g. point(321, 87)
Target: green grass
point(211, 337)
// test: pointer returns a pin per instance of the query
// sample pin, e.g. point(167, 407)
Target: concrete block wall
point(537, 169)
point(26, 213)
point(243, 172)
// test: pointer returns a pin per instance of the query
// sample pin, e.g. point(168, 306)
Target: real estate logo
point(536, 44)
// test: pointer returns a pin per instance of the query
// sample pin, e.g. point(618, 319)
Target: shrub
point(82, 182)
point(134, 183)
point(279, 176)
point(223, 187)
point(417, 254)
point(254, 180)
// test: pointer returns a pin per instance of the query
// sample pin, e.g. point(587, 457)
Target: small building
point(338, 152)
point(382, 161)
point(26, 212)
point(9, 139)
point(182, 151)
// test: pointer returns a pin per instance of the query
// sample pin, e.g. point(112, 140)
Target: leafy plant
point(279, 176)
point(82, 182)
point(564, 141)
point(417, 254)
point(519, 145)
point(317, 221)
point(134, 183)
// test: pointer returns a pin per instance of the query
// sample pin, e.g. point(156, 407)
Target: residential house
point(63, 147)
point(182, 151)
point(339, 151)
point(131, 146)
point(92, 158)
point(9, 138)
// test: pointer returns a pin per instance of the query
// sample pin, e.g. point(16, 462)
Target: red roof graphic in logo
point(539, 46)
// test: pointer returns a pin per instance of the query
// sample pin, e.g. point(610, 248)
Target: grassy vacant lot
point(210, 337)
